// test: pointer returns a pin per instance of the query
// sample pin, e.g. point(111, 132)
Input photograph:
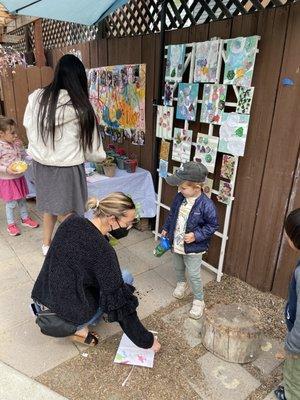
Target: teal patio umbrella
point(86, 12)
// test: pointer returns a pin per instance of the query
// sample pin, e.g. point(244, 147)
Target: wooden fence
point(267, 186)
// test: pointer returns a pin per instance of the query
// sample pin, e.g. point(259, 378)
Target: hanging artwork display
point(175, 63)
point(233, 133)
point(164, 122)
point(206, 150)
point(207, 187)
point(164, 150)
point(121, 96)
point(244, 100)
point(213, 103)
point(182, 144)
point(138, 137)
point(117, 135)
point(187, 101)
point(227, 168)
point(225, 192)
point(206, 61)
point(168, 94)
point(239, 60)
point(163, 168)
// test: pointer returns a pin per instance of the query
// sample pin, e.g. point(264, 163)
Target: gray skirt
point(60, 190)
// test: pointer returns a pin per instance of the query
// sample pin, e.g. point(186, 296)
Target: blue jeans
point(192, 264)
point(11, 205)
point(127, 278)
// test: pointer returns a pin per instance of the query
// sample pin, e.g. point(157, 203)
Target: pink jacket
point(10, 152)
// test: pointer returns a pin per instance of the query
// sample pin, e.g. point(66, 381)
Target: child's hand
point(164, 233)
point(189, 237)
point(10, 171)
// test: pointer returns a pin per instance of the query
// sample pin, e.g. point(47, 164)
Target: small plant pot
point(109, 170)
point(99, 168)
point(112, 155)
point(121, 162)
point(130, 165)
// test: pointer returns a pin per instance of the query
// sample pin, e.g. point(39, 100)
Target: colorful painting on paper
point(245, 100)
point(138, 137)
point(225, 192)
point(93, 84)
point(227, 168)
point(206, 62)
point(168, 94)
point(187, 101)
point(164, 122)
point(207, 187)
point(213, 104)
point(239, 60)
point(233, 133)
point(164, 150)
point(129, 353)
point(163, 168)
point(182, 143)
point(175, 63)
point(121, 96)
point(206, 150)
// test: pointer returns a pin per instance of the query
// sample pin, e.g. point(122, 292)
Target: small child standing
point(291, 370)
point(190, 225)
point(13, 187)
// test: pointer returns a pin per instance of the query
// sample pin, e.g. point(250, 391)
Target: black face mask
point(120, 232)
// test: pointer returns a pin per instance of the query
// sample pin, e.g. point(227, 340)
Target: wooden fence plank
point(93, 53)
point(47, 75)
point(34, 79)
point(8, 94)
point(21, 96)
point(102, 53)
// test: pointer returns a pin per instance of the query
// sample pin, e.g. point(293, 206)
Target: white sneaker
point(180, 290)
point(197, 309)
point(45, 249)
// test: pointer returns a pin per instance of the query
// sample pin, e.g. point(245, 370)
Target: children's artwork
point(213, 104)
point(227, 168)
point(207, 187)
point(244, 100)
point(239, 60)
point(163, 168)
point(164, 150)
point(128, 353)
point(233, 133)
point(175, 63)
point(168, 94)
point(93, 83)
point(117, 135)
point(225, 191)
point(187, 101)
point(138, 137)
point(121, 96)
point(182, 143)
point(206, 150)
point(164, 122)
point(206, 62)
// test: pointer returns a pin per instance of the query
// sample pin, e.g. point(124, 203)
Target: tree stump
point(232, 332)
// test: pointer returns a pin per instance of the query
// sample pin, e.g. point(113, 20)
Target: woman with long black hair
point(62, 134)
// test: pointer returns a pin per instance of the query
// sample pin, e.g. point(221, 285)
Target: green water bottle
point(163, 246)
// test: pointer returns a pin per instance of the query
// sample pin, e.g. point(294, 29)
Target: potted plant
point(131, 163)
point(121, 157)
point(109, 167)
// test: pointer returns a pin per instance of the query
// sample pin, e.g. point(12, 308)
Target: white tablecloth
point(138, 185)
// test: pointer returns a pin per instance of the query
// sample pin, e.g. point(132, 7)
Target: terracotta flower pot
point(130, 165)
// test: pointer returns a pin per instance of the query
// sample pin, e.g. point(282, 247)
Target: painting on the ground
point(225, 192)
point(187, 101)
point(168, 94)
point(206, 61)
point(233, 133)
point(227, 168)
point(182, 144)
point(207, 187)
point(164, 150)
point(244, 100)
point(163, 168)
point(206, 150)
point(239, 60)
point(213, 103)
point(129, 353)
point(175, 63)
point(121, 96)
point(164, 122)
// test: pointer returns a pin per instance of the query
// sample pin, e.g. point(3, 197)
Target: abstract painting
point(206, 62)
point(168, 94)
point(206, 150)
point(187, 101)
point(164, 150)
point(227, 168)
point(175, 63)
point(244, 100)
point(233, 133)
point(239, 60)
point(213, 103)
point(225, 192)
point(182, 143)
point(164, 122)
point(207, 187)
point(128, 353)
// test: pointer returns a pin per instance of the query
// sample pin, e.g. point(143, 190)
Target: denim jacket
point(292, 313)
point(202, 221)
